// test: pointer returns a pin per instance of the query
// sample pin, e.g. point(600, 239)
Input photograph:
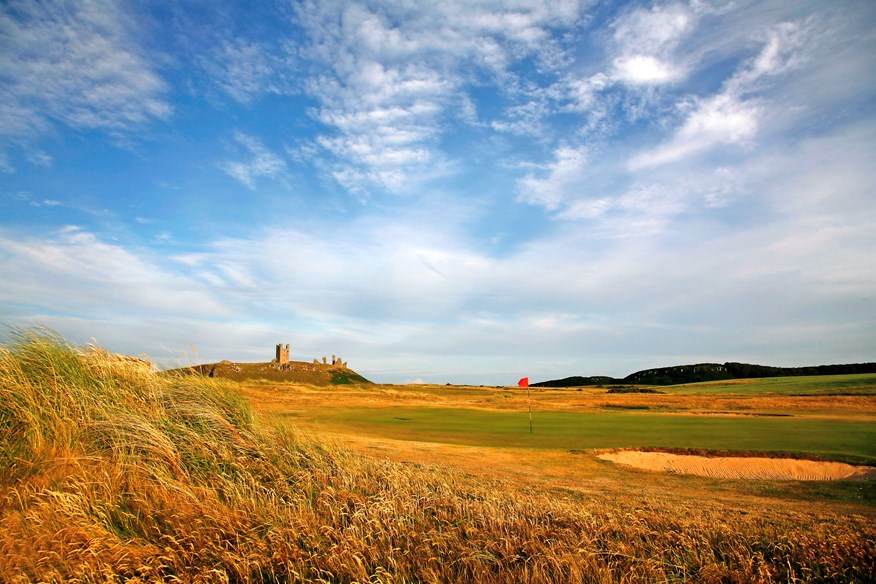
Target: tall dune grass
point(111, 472)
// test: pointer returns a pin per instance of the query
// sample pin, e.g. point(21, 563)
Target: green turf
point(860, 384)
point(831, 439)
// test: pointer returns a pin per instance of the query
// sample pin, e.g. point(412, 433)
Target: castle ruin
point(282, 354)
point(336, 361)
point(282, 358)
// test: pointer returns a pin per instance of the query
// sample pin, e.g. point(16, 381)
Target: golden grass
point(114, 473)
point(296, 395)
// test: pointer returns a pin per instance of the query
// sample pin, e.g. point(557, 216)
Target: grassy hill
point(702, 372)
point(293, 371)
point(112, 472)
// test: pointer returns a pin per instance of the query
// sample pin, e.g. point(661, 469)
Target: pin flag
point(524, 382)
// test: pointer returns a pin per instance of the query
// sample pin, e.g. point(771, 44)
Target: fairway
point(830, 439)
point(830, 417)
point(858, 384)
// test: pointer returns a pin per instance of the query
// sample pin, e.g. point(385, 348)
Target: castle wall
point(282, 354)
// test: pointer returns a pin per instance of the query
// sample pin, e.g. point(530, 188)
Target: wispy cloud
point(396, 73)
point(77, 65)
point(29, 199)
point(563, 178)
point(718, 129)
point(97, 278)
point(247, 70)
point(729, 117)
point(259, 163)
point(782, 52)
point(715, 121)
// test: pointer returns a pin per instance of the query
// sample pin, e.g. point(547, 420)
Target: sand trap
point(741, 468)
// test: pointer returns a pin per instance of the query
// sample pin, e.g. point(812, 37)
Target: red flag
point(523, 382)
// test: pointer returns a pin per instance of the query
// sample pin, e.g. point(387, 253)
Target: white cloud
point(75, 272)
point(571, 188)
point(781, 53)
point(39, 158)
point(644, 70)
point(646, 41)
point(525, 119)
point(653, 30)
point(29, 199)
point(582, 93)
point(564, 178)
point(645, 210)
point(246, 70)
point(716, 121)
point(394, 73)
point(261, 162)
point(732, 116)
point(77, 65)
point(5, 165)
point(46, 203)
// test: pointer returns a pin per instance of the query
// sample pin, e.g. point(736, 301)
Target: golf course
point(115, 471)
point(828, 417)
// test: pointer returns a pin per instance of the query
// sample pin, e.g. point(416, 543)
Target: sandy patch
point(741, 468)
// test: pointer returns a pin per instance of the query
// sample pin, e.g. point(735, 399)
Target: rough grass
point(114, 473)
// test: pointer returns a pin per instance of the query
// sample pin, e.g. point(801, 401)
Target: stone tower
point(282, 354)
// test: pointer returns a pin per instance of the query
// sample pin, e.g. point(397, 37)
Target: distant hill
point(578, 381)
point(294, 371)
point(681, 374)
point(709, 372)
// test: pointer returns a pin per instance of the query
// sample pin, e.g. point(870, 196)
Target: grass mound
point(114, 473)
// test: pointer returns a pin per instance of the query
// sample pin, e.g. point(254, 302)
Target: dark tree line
point(745, 371)
point(708, 372)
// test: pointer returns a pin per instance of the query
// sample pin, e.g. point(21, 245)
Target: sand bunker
point(741, 468)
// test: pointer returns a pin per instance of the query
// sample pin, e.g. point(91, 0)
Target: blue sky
point(443, 191)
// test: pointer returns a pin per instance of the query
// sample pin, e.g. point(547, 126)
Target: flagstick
point(529, 399)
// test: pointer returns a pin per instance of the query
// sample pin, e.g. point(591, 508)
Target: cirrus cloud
point(76, 65)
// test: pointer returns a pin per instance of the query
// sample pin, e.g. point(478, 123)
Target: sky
point(444, 192)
